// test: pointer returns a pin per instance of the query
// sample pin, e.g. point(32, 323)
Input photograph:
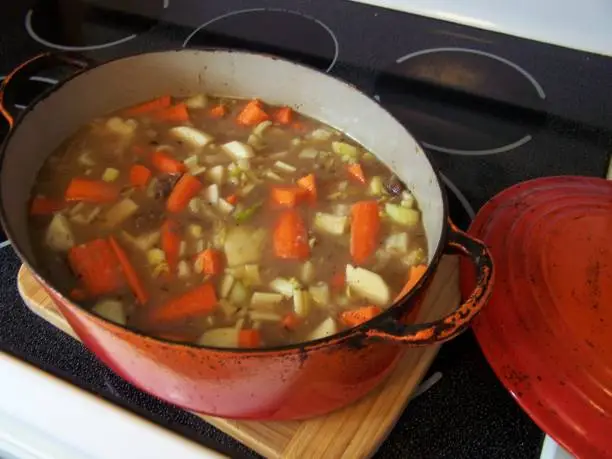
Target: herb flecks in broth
point(225, 223)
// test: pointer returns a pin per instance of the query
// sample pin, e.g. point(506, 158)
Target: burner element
point(460, 210)
point(86, 25)
point(284, 33)
point(463, 101)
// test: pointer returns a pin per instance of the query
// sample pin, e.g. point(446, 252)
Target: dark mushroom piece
point(394, 186)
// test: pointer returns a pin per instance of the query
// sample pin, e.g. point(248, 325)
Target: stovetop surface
point(492, 110)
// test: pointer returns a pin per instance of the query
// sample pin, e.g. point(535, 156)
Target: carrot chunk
point(199, 301)
point(414, 275)
point(365, 229)
point(290, 236)
point(171, 243)
point(140, 175)
point(218, 111)
point(175, 114)
point(283, 115)
point(252, 114)
point(249, 338)
point(356, 173)
point(290, 321)
point(150, 106)
point(287, 196)
point(133, 280)
point(41, 205)
point(97, 266)
point(232, 199)
point(164, 162)
point(185, 189)
point(309, 185)
point(211, 261)
point(97, 191)
point(360, 315)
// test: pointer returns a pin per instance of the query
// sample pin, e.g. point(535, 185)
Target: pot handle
point(30, 67)
point(457, 321)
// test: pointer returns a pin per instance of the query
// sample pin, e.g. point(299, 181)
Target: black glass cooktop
point(492, 110)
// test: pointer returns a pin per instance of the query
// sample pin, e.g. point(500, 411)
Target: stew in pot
point(225, 223)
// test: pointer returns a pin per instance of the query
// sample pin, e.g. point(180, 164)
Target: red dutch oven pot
point(289, 382)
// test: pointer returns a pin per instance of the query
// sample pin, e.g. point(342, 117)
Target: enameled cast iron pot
point(289, 382)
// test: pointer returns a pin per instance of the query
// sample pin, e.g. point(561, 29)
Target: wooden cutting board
point(355, 431)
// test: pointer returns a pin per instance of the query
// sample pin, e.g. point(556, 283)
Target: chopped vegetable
point(59, 235)
point(218, 111)
point(308, 153)
point(252, 114)
point(283, 115)
point(110, 310)
point(256, 142)
point(291, 321)
point(249, 338)
point(320, 293)
point(345, 149)
point(171, 243)
point(408, 199)
point(197, 101)
point(414, 275)
point(245, 214)
point(133, 280)
point(290, 236)
point(164, 162)
point(147, 107)
point(265, 299)
point(285, 287)
point(365, 229)
point(331, 224)
point(120, 212)
point(219, 337)
point(140, 175)
point(309, 185)
point(238, 150)
point(199, 301)
point(402, 215)
point(265, 316)
point(183, 270)
point(97, 266)
point(185, 189)
point(368, 285)
point(224, 207)
point(326, 328)
point(356, 173)
point(110, 174)
point(232, 199)
point(358, 316)
point(416, 256)
point(261, 127)
point(239, 295)
point(287, 196)
point(338, 281)
point(86, 159)
point(397, 243)
point(175, 114)
point(375, 188)
point(244, 244)
point(301, 302)
point(191, 136)
point(307, 272)
point(211, 262)
point(251, 275)
point(87, 190)
point(227, 282)
point(321, 134)
point(124, 128)
point(42, 205)
point(282, 166)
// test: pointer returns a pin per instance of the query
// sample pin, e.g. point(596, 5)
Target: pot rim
point(353, 332)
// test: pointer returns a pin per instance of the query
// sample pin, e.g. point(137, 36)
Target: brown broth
point(120, 144)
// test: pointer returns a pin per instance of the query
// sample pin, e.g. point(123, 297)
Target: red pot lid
point(547, 331)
